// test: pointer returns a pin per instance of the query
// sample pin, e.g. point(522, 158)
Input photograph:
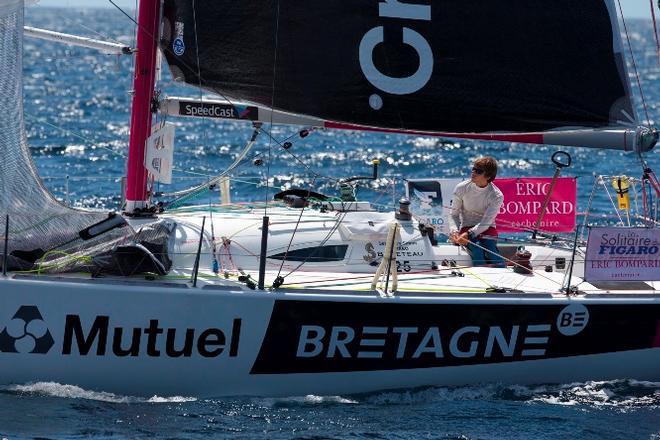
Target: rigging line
point(204, 139)
point(243, 162)
point(199, 74)
point(135, 28)
point(184, 195)
point(407, 277)
point(380, 194)
point(512, 262)
point(323, 242)
point(295, 229)
point(74, 134)
point(214, 259)
point(300, 161)
point(272, 104)
point(249, 253)
point(123, 12)
point(632, 58)
point(655, 31)
point(643, 188)
point(465, 269)
point(104, 36)
point(589, 204)
point(95, 145)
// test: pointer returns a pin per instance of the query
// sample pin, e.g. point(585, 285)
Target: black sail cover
point(462, 66)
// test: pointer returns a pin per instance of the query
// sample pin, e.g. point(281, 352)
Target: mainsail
point(443, 66)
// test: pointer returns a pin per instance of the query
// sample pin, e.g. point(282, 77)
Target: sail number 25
point(371, 255)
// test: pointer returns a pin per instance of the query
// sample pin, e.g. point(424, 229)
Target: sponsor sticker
point(572, 319)
point(623, 254)
point(523, 201)
point(217, 110)
point(160, 152)
point(26, 333)
point(324, 336)
point(178, 46)
point(430, 201)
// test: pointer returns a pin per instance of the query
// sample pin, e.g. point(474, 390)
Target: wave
point(310, 399)
point(623, 393)
point(55, 389)
point(616, 393)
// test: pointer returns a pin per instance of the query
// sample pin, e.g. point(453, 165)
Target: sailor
point(476, 203)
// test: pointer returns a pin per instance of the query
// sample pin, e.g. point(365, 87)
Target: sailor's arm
point(455, 215)
point(456, 208)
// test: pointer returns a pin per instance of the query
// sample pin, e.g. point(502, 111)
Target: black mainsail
point(444, 66)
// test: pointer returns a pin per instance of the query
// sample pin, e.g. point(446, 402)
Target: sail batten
point(443, 66)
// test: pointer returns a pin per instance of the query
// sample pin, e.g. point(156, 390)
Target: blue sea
point(77, 112)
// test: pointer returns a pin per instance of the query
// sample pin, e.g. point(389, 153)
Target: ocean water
point(77, 111)
point(594, 410)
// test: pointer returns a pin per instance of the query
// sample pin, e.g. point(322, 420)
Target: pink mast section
point(143, 89)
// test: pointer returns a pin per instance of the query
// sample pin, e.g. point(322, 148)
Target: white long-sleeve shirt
point(474, 207)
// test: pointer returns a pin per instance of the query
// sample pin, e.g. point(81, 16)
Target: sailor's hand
point(453, 237)
point(462, 239)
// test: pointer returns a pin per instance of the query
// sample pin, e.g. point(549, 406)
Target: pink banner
point(523, 200)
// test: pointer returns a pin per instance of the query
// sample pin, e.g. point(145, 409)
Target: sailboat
point(331, 297)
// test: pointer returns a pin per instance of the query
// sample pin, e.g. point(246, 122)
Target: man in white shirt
point(475, 205)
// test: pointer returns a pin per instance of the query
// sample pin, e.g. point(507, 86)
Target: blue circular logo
point(178, 46)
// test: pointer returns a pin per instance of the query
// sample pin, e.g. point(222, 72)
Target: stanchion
point(199, 252)
point(262, 254)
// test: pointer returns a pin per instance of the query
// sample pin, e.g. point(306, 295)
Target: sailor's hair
point(489, 165)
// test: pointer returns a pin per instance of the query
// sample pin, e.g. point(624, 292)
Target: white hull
point(235, 366)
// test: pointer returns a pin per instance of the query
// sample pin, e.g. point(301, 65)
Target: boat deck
point(462, 280)
point(474, 281)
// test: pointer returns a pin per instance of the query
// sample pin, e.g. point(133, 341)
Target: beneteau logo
point(375, 36)
point(26, 333)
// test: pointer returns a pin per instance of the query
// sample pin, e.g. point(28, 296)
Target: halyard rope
point(632, 59)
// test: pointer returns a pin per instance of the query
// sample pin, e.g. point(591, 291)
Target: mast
point(143, 89)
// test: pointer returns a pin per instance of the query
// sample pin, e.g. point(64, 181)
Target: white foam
point(644, 383)
point(74, 149)
point(74, 392)
point(309, 399)
point(616, 393)
point(173, 399)
point(424, 142)
point(436, 395)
